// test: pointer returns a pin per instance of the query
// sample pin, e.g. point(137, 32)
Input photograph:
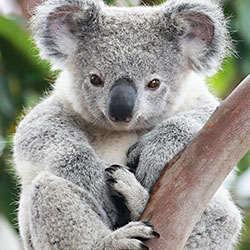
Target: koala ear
point(57, 25)
point(199, 27)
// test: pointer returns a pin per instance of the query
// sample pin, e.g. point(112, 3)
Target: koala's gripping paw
point(119, 174)
point(127, 237)
point(125, 183)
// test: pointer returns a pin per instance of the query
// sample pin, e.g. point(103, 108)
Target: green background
point(24, 78)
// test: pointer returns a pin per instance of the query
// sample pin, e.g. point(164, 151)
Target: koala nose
point(122, 100)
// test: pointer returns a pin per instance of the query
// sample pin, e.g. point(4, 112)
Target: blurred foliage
point(24, 77)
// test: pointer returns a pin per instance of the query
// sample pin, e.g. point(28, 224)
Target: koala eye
point(154, 84)
point(96, 80)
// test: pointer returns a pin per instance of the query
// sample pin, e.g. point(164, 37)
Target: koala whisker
point(98, 118)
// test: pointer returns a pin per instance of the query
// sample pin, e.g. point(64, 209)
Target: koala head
point(124, 68)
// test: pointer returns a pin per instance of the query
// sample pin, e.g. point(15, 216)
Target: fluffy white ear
point(199, 30)
point(57, 25)
point(199, 27)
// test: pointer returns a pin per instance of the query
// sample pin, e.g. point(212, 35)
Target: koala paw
point(125, 183)
point(119, 177)
point(122, 180)
point(127, 237)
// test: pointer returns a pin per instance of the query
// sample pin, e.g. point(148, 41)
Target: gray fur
point(63, 146)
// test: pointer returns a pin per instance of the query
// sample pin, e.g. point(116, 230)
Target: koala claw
point(156, 234)
point(143, 246)
point(120, 178)
point(111, 181)
point(149, 224)
point(127, 237)
point(112, 168)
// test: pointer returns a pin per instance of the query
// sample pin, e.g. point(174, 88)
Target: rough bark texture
point(191, 179)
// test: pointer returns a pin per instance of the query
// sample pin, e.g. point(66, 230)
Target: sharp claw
point(115, 166)
point(111, 180)
point(156, 234)
point(110, 170)
point(143, 246)
point(149, 224)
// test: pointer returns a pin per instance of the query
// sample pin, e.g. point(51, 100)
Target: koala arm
point(52, 137)
point(157, 147)
point(221, 222)
point(52, 153)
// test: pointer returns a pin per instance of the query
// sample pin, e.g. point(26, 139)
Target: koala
point(131, 94)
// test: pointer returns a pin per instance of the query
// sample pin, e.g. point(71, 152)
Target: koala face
point(125, 80)
point(126, 66)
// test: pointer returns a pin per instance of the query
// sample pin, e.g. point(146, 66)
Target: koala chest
point(112, 146)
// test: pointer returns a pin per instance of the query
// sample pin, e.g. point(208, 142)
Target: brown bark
point(191, 179)
point(27, 6)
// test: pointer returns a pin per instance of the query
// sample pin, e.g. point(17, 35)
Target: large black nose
point(122, 100)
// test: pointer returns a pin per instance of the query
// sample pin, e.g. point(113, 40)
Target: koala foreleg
point(62, 215)
point(153, 150)
point(221, 222)
point(125, 183)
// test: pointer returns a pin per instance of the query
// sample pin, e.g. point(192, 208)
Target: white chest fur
point(112, 146)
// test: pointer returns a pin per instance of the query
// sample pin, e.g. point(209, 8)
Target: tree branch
point(191, 179)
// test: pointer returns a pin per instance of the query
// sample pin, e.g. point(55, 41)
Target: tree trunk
point(191, 179)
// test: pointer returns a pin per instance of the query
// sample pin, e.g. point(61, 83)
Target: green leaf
point(21, 41)
point(242, 22)
point(221, 82)
point(244, 163)
point(245, 237)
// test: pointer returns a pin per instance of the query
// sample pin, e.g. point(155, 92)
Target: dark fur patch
point(122, 210)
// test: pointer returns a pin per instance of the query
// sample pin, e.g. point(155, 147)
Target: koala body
point(130, 96)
